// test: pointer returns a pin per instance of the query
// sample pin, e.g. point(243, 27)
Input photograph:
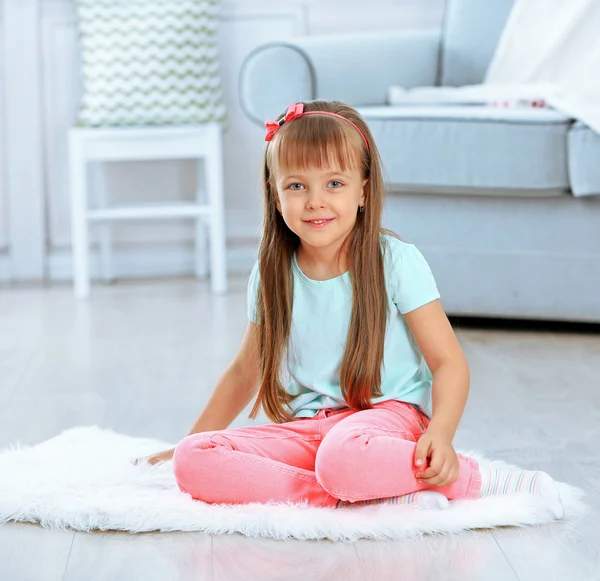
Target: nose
point(316, 199)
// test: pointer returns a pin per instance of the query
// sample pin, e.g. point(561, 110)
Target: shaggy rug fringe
point(84, 479)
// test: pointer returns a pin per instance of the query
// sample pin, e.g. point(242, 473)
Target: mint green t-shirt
point(320, 321)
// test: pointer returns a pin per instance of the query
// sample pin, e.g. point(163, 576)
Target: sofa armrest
point(355, 68)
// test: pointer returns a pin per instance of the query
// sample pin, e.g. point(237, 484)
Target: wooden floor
point(142, 357)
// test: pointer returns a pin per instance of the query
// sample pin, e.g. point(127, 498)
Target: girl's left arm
point(446, 361)
point(434, 453)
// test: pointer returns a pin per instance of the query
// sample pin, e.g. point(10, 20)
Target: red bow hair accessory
point(297, 110)
point(294, 111)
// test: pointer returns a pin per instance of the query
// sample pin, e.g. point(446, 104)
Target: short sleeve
point(412, 283)
point(252, 292)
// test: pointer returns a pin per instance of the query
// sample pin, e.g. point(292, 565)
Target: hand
point(443, 464)
point(163, 456)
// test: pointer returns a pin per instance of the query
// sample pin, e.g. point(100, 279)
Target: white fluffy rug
point(84, 479)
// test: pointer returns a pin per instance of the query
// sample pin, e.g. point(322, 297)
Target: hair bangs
point(319, 141)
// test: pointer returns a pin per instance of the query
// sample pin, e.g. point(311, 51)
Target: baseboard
point(142, 262)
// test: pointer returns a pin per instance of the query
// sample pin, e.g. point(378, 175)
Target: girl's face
point(307, 197)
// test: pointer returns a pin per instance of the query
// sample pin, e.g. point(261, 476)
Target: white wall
point(333, 16)
point(3, 200)
point(165, 248)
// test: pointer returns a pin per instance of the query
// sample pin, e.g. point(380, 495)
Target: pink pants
point(343, 454)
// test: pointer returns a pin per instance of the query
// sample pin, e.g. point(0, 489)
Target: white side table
point(202, 142)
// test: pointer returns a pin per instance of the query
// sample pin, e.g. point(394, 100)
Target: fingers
point(142, 459)
point(439, 478)
point(446, 475)
point(450, 479)
point(155, 458)
point(422, 451)
point(432, 472)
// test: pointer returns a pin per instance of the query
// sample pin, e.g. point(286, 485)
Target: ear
point(362, 192)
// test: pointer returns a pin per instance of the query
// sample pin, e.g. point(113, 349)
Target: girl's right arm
point(235, 389)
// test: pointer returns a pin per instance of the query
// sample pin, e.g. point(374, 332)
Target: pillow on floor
point(149, 62)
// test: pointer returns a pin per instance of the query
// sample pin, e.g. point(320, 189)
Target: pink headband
point(297, 110)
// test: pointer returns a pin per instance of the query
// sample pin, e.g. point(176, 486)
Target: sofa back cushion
point(472, 29)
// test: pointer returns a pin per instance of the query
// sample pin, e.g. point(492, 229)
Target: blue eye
point(338, 183)
point(293, 187)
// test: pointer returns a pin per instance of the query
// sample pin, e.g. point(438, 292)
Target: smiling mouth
point(319, 222)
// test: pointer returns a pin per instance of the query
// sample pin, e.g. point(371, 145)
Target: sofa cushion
point(472, 29)
point(472, 149)
point(584, 160)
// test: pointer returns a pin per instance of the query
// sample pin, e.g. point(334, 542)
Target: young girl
point(348, 347)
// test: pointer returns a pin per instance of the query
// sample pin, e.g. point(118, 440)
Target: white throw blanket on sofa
point(549, 51)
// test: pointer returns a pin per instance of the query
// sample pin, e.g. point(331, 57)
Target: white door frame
point(23, 143)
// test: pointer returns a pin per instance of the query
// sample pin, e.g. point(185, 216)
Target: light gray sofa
point(504, 203)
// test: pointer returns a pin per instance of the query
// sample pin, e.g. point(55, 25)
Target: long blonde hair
point(318, 141)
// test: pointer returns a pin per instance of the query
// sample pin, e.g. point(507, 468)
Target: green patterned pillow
point(149, 62)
